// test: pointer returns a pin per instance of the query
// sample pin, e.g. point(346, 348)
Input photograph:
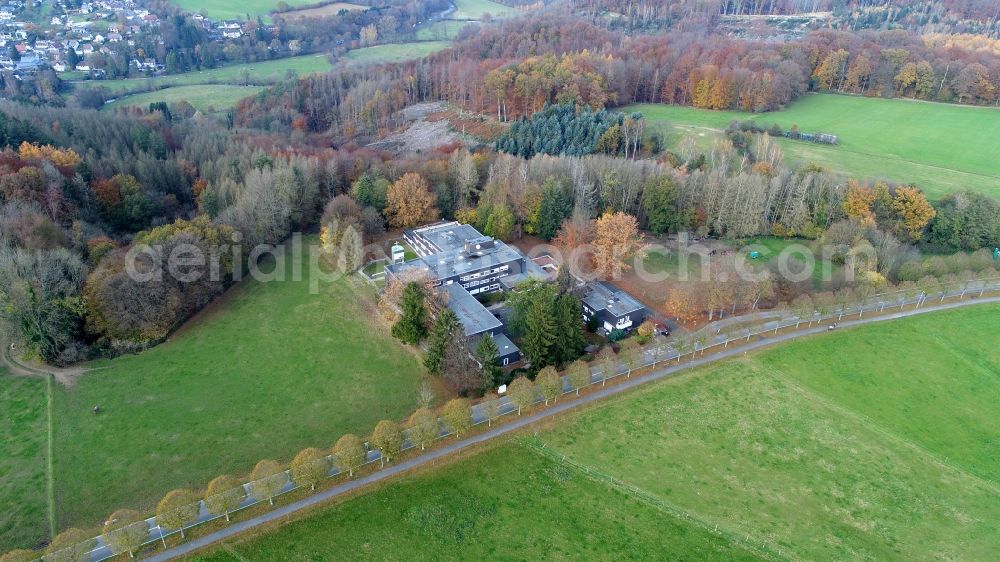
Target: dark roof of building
point(504, 345)
point(471, 313)
point(605, 296)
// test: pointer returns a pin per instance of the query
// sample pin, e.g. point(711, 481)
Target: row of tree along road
point(128, 532)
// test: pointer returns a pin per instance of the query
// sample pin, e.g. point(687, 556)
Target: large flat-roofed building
point(478, 322)
point(614, 308)
point(455, 253)
point(475, 317)
point(464, 263)
point(440, 237)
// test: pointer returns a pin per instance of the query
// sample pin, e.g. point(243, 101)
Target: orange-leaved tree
point(616, 237)
point(409, 202)
point(913, 212)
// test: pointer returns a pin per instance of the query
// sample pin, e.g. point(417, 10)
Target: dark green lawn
point(266, 372)
point(23, 519)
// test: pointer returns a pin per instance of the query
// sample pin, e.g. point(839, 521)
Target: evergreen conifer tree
point(555, 208)
point(411, 327)
point(659, 201)
point(539, 334)
point(488, 355)
point(564, 280)
point(442, 333)
point(569, 342)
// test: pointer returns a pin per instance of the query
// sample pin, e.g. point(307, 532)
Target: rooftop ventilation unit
point(482, 245)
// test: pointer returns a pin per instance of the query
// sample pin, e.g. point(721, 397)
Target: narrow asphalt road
point(523, 421)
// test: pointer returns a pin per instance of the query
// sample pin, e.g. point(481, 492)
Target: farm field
point(323, 11)
point(441, 30)
point(264, 372)
point(508, 503)
point(940, 147)
point(229, 10)
point(23, 456)
point(832, 447)
point(476, 9)
point(937, 389)
point(207, 98)
point(265, 71)
point(395, 52)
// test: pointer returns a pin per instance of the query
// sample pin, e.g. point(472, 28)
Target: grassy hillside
point(476, 9)
point(230, 10)
point(441, 30)
point(803, 446)
point(838, 447)
point(938, 388)
point(208, 97)
point(395, 52)
point(265, 372)
point(266, 71)
point(23, 520)
point(323, 10)
point(227, 9)
point(940, 147)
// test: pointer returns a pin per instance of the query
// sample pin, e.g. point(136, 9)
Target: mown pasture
point(875, 443)
point(941, 148)
point(267, 370)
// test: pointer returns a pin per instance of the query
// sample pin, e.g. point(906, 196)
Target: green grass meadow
point(265, 372)
point(229, 10)
point(442, 30)
point(876, 443)
point(509, 503)
point(938, 388)
point(476, 9)
point(23, 437)
point(940, 147)
point(434, 37)
point(265, 71)
point(208, 98)
point(395, 52)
